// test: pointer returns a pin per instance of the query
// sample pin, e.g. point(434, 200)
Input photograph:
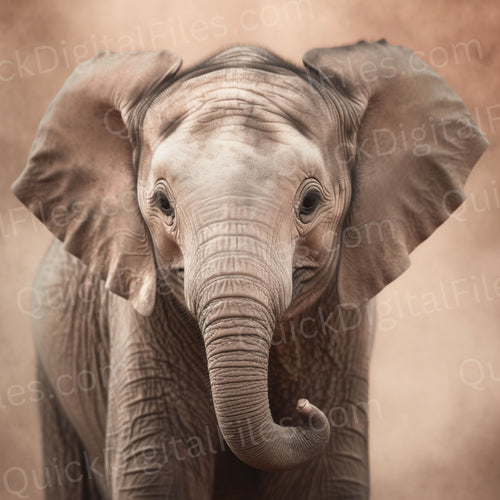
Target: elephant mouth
point(304, 265)
point(304, 287)
point(303, 275)
point(304, 271)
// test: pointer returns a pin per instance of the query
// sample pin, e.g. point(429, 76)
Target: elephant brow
point(171, 126)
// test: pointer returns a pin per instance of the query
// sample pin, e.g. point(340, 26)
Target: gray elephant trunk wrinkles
point(235, 288)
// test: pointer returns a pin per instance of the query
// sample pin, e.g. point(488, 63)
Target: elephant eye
point(309, 203)
point(164, 204)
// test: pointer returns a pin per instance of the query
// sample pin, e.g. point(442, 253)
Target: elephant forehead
point(258, 104)
point(227, 161)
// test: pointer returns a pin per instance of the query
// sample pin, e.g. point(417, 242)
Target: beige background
point(435, 380)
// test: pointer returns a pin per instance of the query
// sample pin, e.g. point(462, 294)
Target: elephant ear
point(415, 144)
point(80, 179)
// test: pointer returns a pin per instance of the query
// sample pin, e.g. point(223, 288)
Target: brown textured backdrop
point(435, 378)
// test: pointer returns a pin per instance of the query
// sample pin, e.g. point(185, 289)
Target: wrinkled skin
point(330, 368)
point(244, 183)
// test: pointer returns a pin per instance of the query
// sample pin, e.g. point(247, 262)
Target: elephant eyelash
point(163, 203)
point(161, 200)
point(310, 202)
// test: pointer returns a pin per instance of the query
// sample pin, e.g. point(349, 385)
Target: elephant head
point(251, 185)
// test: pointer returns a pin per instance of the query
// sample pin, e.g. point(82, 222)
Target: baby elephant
point(205, 328)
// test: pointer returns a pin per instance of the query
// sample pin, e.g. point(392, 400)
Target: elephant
point(206, 309)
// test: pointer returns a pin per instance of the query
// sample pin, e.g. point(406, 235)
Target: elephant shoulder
point(69, 307)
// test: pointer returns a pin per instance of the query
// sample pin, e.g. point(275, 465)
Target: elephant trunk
point(237, 311)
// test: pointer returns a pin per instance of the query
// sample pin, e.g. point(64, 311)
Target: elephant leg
point(342, 470)
point(67, 470)
point(161, 434)
point(340, 388)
